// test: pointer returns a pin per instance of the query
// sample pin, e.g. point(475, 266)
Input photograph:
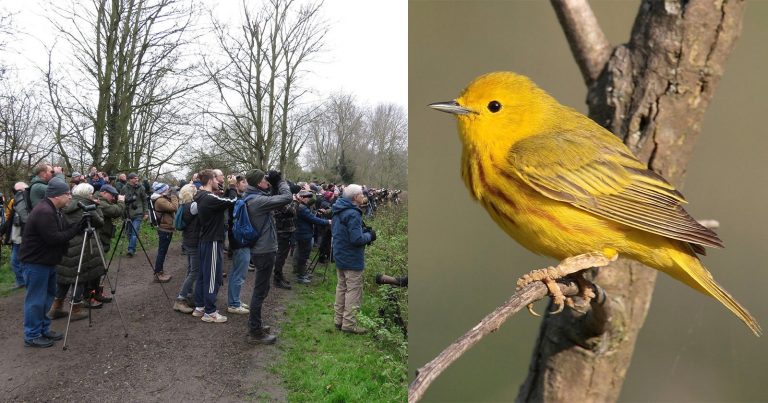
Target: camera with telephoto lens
point(130, 199)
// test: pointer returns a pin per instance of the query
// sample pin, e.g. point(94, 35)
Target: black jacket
point(46, 235)
point(210, 211)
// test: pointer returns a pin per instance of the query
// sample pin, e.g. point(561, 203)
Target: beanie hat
point(159, 187)
point(109, 189)
point(56, 187)
point(76, 174)
point(254, 177)
point(132, 175)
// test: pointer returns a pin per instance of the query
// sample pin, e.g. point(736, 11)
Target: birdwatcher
point(43, 173)
point(349, 241)
point(136, 203)
point(44, 242)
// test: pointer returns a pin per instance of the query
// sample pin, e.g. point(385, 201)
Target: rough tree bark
point(652, 92)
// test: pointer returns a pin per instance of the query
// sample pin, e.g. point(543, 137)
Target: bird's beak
point(451, 107)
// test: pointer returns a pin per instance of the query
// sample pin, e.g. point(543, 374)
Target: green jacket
point(110, 211)
point(37, 188)
point(92, 267)
point(139, 207)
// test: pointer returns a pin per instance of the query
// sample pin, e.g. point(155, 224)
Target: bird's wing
point(604, 178)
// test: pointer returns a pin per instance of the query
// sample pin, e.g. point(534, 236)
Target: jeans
point(283, 247)
point(303, 249)
point(132, 235)
point(41, 287)
point(16, 264)
point(264, 264)
point(193, 270)
point(164, 241)
point(240, 259)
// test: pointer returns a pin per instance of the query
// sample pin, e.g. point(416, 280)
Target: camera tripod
point(316, 259)
point(131, 230)
point(90, 232)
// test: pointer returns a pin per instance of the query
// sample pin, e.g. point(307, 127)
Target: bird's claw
point(531, 311)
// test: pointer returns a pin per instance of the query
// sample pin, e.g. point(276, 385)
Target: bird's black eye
point(494, 106)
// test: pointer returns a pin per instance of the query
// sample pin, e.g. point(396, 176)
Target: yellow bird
point(561, 185)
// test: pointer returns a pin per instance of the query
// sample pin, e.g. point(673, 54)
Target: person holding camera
point(44, 242)
point(305, 222)
point(112, 206)
point(269, 193)
point(210, 210)
point(165, 205)
point(91, 267)
point(136, 202)
point(349, 241)
point(285, 225)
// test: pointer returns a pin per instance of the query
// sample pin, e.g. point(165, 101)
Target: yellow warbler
point(561, 185)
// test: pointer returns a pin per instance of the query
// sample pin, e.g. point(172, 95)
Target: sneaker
point(244, 305)
point(303, 280)
point(261, 337)
point(161, 277)
point(280, 283)
point(92, 303)
point(39, 342)
point(240, 310)
point(181, 306)
point(198, 312)
point(215, 317)
point(53, 335)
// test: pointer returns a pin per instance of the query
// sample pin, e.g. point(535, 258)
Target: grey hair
point(82, 189)
point(350, 191)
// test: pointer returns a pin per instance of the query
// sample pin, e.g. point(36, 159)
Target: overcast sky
point(365, 52)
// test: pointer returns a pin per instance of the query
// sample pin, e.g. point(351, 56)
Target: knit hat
point(159, 187)
point(56, 187)
point(109, 189)
point(76, 174)
point(254, 177)
point(132, 175)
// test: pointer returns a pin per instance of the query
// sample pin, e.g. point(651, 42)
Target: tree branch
point(523, 297)
point(588, 43)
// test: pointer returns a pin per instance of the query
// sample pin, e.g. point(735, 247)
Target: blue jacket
point(349, 240)
point(304, 221)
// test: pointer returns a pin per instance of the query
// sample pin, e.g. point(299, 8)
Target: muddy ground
point(167, 356)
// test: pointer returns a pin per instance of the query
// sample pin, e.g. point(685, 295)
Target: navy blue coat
point(304, 221)
point(349, 240)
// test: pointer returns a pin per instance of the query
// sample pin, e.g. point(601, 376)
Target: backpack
point(244, 232)
point(178, 219)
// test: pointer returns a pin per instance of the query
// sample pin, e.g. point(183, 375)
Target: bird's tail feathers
point(697, 276)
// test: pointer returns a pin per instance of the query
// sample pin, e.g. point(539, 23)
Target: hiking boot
point(354, 330)
point(56, 312)
point(161, 277)
point(198, 312)
point(39, 342)
point(77, 311)
point(261, 337)
point(92, 303)
point(181, 306)
point(280, 283)
point(101, 296)
point(240, 310)
point(215, 317)
point(53, 335)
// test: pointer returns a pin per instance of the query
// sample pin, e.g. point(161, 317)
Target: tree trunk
point(653, 93)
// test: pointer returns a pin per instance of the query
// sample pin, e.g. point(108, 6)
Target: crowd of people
point(51, 221)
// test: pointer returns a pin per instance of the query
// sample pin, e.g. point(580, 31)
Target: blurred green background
point(463, 266)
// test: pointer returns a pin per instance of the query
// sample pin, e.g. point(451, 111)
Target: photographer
point(349, 241)
point(44, 242)
point(285, 225)
point(112, 206)
point(304, 231)
point(270, 193)
point(136, 202)
point(165, 204)
point(17, 218)
point(91, 268)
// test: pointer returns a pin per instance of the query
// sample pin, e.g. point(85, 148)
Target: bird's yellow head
point(498, 109)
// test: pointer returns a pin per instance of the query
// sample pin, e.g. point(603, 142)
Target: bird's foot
point(567, 267)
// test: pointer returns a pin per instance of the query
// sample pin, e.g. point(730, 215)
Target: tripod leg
point(87, 231)
point(114, 298)
point(141, 244)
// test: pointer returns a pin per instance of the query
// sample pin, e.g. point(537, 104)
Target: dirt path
point(167, 356)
